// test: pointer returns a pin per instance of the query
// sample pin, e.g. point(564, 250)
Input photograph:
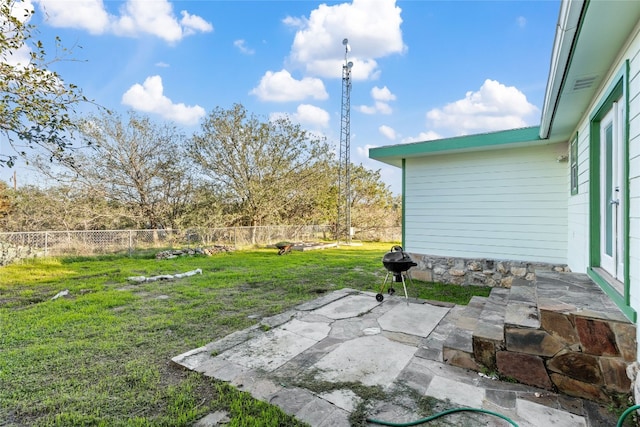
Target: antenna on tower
point(344, 165)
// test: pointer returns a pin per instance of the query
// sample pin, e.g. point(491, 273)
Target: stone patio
point(346, 354)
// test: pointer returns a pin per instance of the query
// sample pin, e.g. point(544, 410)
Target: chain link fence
point(94, 242)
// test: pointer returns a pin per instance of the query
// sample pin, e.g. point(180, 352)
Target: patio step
point(522, 310)
point(488, 336)
point(559, 333)
point(457, 349)
point(481, 330)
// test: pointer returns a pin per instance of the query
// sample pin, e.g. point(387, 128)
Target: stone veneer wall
point(579, 355)
point(10, 253)
point(477, 272)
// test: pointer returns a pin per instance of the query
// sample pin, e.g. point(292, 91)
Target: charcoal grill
point(397, 262)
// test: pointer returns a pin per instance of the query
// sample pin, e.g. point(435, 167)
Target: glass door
point(611, 192)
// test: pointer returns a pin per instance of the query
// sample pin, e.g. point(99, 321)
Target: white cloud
point(149, 97)
point(381, 97)
point(154, 18)
point(311, 115)
point(382, 94)
point(372, 27)
point(388, 132)
point(422, 136)
point(162, 64)
point(194, 23)
point(292, 21)
point(363, 151)
point(280, 86)
point(89, 15)
point(135, 17)
point(306, 114)
point(22, 10)
point(20, 57)
point(242, 46)
point(366, 109)
point(493, 107)
point(521, 21)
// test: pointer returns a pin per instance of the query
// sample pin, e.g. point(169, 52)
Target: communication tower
point(343, 224)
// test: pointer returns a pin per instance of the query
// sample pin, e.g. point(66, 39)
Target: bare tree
point(137, 164)
point(62, 207)
point(262, 168)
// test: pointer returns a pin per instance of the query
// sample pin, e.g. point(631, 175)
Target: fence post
point(46, 243)
point(130, 242)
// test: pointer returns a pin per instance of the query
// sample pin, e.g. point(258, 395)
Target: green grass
point(101, 357)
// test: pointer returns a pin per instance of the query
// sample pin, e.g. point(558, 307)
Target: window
point(573, 162)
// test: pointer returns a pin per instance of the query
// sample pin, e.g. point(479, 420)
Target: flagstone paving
point(315, 361)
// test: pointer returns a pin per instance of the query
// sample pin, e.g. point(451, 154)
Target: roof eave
point(393, 154)
point(566, 32)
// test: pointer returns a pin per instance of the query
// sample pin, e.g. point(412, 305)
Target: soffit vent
point(583, 83)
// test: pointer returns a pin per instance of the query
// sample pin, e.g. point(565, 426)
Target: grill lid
point(396, 260)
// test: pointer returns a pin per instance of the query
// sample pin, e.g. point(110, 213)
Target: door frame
point(616, 92)
point(612, 190)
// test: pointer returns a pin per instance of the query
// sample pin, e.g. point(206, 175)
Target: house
point(497, 208)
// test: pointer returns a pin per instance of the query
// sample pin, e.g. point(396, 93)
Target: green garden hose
point(441, 414)
point(624, 415)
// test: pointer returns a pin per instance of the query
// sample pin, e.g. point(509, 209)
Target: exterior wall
point(633, 54)
point(578, 206)
point(504, 204)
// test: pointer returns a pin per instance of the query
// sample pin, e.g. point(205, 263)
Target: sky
point(422, 69)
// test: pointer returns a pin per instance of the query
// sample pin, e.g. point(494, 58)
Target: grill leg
point(385, 282)
point(405, 286)
point(380, 297)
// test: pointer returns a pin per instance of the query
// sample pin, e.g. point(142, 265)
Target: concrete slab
point(276, 347)
point(540, 415)
point(371, 360)
point(313, 330)
point(346, 329)
point(343, 399)
point(344, 308)
point(228, 372)
point(316, 411)
point(292, 400)
point(416, 375)
point(457, 392)
point(414, 319)
point(260, 388)
point(337, 418)
point(209, 365)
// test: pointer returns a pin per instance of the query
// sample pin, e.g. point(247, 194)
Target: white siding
point(501, 204)
point(578, 230)
point(634, 172)
point(578, 254)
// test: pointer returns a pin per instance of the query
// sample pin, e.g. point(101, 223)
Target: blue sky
point(422, 69)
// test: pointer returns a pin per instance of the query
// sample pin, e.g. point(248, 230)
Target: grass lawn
point(101, 356)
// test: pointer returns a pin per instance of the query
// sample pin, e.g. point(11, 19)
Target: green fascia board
point(393, 154)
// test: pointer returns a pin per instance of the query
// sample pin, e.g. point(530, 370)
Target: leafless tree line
point(236, 171)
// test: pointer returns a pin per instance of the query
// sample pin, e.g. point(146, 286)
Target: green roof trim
point(393, 153)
